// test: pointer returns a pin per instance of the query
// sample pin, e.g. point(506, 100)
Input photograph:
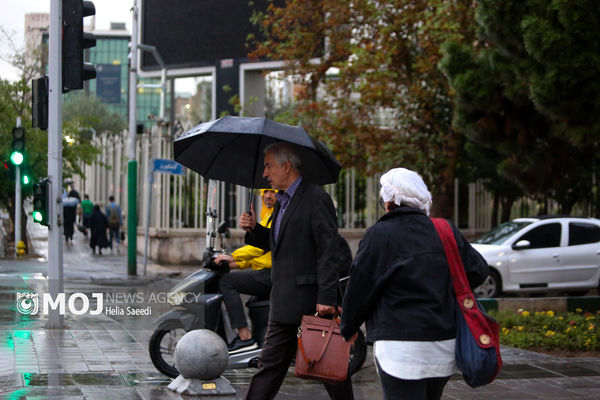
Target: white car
point(541, 254)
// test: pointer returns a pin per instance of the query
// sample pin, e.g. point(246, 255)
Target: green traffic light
point(25, 180)
point(37, 216)
point(16, 157)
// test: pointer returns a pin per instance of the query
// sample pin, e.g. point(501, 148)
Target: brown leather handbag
point(322, 353)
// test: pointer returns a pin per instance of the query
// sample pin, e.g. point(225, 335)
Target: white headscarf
point(405, 187)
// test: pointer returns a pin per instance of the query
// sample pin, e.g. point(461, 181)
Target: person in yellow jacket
point(253, 279)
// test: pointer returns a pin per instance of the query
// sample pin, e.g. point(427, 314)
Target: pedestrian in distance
point(70, 203)
point(400, 285)
point(115, 220)
point(87, 207)
point(304, 244)
point(98, 227)
point(254, 278)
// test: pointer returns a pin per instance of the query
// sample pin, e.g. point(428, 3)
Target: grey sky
point(12, 18)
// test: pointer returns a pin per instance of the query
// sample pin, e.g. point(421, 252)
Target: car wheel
point(491, 287)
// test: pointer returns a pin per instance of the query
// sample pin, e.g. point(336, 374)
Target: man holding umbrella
point(304, 243)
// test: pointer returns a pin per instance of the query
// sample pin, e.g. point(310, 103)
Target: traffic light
point(74, 42)
point(40, 202)
point(9, 172)
point(17, 153)
point(39, 103)
point(25, 175)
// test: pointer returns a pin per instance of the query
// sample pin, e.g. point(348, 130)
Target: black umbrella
point(230, 149)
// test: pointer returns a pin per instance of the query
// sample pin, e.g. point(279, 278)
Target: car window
point(582, 233)
point(547, 235)
point(502, 232)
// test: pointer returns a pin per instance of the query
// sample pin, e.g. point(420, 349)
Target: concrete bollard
point(201, 356)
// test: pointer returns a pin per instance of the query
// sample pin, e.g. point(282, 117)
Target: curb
point(558, 304)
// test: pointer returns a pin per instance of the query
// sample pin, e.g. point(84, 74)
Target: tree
point(372, 88)
point(15, 101)
point(92, 113)
point(534, 134)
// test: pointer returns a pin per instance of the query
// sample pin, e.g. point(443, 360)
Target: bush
point(547, 330)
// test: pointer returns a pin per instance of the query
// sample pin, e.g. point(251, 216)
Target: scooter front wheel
point(162, 347)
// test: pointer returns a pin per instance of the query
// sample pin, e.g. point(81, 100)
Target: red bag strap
point(457, 269)
point(307, 360)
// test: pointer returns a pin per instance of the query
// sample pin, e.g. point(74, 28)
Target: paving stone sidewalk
point(103, 357)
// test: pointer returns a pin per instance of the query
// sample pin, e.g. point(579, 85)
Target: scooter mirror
point(223, 227)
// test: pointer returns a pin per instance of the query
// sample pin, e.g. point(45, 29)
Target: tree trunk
point(443, 202)
point(495, 207)
point(507, 204)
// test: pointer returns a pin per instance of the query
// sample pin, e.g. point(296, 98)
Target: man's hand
point(248, 220)
point(352, 338)
point(226, 257)
point(323, 310)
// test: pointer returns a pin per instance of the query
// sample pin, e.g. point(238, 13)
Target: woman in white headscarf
point(400, 285)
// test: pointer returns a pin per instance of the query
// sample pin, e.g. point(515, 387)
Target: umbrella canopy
point(230, 149)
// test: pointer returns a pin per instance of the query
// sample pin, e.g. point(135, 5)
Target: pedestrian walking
point(254, 279)
point(304, 242)
point(115, 220)
point(87, 207)
point(70, 203)
point(98, 226)
point(400, 284)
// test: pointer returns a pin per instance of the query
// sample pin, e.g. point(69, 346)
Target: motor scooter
point(198, 305)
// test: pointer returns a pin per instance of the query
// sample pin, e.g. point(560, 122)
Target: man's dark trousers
point(254, 283)
point(278, 350)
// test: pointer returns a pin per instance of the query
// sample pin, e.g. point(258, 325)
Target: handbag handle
point(307, 360)
point(457, 269)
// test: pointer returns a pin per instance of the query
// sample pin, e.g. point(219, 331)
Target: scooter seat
point(256, 301)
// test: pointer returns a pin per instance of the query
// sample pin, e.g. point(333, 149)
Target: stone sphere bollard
point(201, 354)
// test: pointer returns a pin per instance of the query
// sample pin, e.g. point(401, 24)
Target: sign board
point(108, 83)
point(198, 33)
point(167, 166)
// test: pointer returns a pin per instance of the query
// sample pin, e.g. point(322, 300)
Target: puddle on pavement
point(136, 379)
point(33, 379)
point(98, 379)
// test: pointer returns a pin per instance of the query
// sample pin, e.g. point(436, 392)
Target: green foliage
point(547, 330)
point(91, 112)
point(12, 106)
point(374, 92)
point(526, 97)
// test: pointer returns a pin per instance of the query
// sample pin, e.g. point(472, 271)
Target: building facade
point(110, 56)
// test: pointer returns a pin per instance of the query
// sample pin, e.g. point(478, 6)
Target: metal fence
point(179, 202)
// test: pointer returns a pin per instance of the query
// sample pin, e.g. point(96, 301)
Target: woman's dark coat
point(69, 215)
point(400, 281)
point(98, 226)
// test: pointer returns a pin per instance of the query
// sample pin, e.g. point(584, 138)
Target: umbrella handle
point(250, 201)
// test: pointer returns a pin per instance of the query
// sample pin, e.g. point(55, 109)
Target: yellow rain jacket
point(253, 257)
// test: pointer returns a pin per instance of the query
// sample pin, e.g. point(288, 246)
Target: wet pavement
point(106, 357)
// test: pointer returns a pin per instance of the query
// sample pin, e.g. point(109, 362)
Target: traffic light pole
point(18, 200)
point(55, 227)
point(132, 164)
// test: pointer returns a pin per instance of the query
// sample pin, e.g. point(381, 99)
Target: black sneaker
point(238, 345)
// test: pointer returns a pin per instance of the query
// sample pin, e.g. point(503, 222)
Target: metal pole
point(148, 207)
point(18, 201)
point(55, 229)
point(163, 92)
point(132, 164)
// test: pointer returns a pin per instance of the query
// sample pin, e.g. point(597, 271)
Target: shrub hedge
point(547, 330)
